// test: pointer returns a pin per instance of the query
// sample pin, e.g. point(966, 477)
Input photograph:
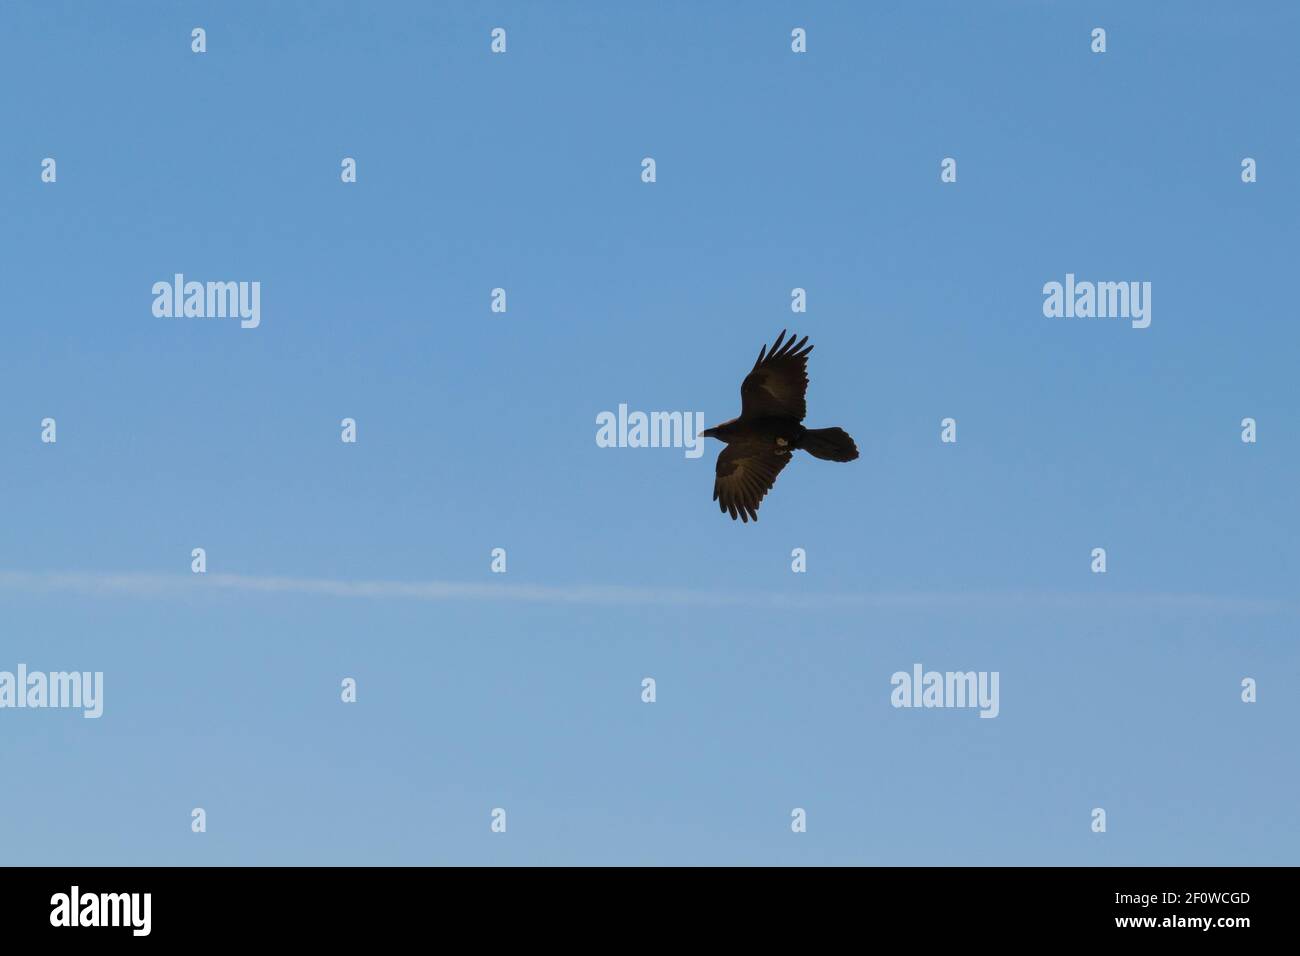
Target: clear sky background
point(477, 430)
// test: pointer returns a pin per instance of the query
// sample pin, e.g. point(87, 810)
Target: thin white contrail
point(147, 585)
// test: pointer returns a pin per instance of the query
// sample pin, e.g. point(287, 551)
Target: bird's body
point(775, 431)
point(770, 429)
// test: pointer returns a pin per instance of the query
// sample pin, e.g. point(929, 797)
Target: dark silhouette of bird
point(769, 429)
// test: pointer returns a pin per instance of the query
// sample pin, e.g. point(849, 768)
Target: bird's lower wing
point(745, 473)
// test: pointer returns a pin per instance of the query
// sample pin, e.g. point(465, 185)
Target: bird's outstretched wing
point(776, 386)
point(746, 472)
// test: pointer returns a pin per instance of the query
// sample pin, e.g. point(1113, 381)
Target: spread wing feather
point(746, 472)
point(778, 383)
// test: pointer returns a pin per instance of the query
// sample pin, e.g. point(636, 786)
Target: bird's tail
point(829, 444)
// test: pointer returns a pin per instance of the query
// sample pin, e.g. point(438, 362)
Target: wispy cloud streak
point(165, 586)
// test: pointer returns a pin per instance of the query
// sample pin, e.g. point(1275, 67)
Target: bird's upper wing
point(746, 472)
point(778, 382)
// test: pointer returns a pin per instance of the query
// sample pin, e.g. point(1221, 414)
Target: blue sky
point(476, 431)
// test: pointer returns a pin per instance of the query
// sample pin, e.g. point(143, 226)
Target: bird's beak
point(707, 433)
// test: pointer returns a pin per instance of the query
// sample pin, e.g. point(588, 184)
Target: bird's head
point(721, 432)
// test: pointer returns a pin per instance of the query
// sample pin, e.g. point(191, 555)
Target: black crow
point(760, 441)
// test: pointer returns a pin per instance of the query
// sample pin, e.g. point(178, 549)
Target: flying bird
point(760, 442)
